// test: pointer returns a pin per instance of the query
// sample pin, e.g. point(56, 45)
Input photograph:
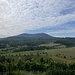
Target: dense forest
point(34, 44)
point(29, 64)
point(34, 40)
point(69, 42)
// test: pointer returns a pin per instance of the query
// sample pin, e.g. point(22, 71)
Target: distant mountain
point(26, 39)
point(26, 36)
point(34, 40)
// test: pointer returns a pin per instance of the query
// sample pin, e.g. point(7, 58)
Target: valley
point(38, 54)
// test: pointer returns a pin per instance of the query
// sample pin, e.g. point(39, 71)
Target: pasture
point(59, 55)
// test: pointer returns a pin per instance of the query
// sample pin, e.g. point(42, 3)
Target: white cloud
point(63, 31)
point(18, 16)
point(59, 33)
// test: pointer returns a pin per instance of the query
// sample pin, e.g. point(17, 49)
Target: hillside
point(26, 39)
point(34, 40)
point(26, 36)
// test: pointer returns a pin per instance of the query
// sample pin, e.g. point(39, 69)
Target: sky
point(54, 17)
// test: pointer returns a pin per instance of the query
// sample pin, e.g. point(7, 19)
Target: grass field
point(19, 60)
point(59, 55)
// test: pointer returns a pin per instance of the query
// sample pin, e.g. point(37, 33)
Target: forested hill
point(26, 36)
point(35, 40)
point(26, 39)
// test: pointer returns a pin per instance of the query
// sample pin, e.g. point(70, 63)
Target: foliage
point(39, 66)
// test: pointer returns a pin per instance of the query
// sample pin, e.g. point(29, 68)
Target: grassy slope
point(64, 54)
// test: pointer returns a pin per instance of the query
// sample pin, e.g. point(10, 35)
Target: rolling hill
point(26, 39)
point(26, 36)
point(35, 39)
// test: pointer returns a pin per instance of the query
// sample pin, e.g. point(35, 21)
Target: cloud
point(18, 16)
point(63, 32)
point(71, 30)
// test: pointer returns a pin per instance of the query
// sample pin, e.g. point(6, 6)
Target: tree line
point(9, 66)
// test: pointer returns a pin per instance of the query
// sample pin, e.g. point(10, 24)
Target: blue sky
point(54, 17)
point(65, 30)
